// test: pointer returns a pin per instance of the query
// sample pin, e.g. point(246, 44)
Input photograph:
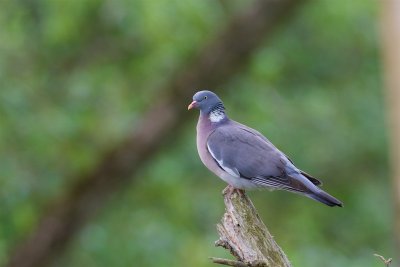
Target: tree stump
point(244, 234)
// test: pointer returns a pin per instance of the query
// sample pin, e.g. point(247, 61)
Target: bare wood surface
point(229, 262)
point(216, 63)
point(243, 233)
point(391, 59)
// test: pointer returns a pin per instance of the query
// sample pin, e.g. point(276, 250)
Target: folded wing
point(245, 153)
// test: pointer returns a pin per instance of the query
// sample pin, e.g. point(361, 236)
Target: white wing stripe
point(233, 172)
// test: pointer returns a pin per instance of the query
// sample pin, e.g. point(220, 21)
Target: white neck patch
point(216, 116)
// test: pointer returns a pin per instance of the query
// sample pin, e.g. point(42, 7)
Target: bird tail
point(323, 197)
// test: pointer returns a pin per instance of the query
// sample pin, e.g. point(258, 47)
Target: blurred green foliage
point(75, 77)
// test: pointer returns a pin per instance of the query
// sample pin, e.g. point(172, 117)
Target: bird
point(246, 159)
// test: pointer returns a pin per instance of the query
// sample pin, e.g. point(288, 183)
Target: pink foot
point(228, 191)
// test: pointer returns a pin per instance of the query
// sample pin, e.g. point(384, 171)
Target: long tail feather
point(325, 198)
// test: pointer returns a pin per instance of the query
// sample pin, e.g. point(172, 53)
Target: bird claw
point(229, 190)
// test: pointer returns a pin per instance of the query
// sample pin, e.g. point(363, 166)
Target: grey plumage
point(246, 159)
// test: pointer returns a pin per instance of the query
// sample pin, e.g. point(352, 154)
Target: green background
point(75, 77)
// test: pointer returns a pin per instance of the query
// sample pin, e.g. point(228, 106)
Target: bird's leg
point(240, 191)
point(228, 191)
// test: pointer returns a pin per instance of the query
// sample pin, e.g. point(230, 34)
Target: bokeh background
point(76, 77)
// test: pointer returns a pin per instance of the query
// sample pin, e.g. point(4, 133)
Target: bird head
point(205, 101)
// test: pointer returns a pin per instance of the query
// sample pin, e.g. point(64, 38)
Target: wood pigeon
point(244, 158)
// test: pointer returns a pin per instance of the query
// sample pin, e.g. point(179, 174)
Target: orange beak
point(192, 105)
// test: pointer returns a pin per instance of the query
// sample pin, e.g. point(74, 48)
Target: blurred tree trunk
point(391, 55)
point(215, 64)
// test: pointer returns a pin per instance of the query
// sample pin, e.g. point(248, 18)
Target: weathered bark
point(391, 59)
point(244, 234)
point(215, 64)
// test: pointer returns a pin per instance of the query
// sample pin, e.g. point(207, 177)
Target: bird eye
point(205, 97)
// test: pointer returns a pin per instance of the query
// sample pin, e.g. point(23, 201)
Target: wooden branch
point(243, 233)
point(229, 262)
point(387, 262)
